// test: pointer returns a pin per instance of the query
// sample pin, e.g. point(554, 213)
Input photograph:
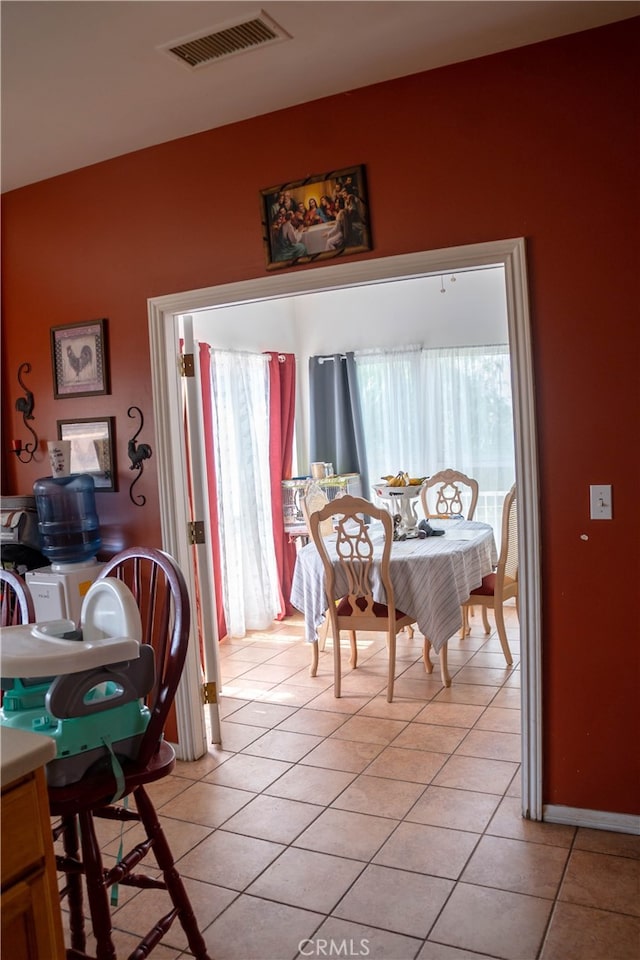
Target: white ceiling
point(84, 81)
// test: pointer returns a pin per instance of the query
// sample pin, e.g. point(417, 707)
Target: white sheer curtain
point(240, 414)
point(428, 409)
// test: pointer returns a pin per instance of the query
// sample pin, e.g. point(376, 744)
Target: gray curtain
point(336, 431)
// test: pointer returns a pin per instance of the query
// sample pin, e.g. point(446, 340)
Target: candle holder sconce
point(25, 405)
point(138, 453)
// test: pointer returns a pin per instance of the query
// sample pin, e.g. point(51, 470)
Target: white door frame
point(171, 452)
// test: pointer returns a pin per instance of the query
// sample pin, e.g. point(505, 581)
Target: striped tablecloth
point(430, 577)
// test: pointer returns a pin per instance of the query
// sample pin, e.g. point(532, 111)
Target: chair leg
point(410, 631)
point(323, 630)
point(337, 678)
point(502, 633)
point(172, 879)
point(73, 883)
point(353, 662)
point(465, 628)
point(426, 647)
point(97, 892)
point(392, 666)
point(444, 667)
point(313, 669)
point(485, 620)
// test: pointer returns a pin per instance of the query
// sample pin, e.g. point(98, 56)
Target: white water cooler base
point(58, 594)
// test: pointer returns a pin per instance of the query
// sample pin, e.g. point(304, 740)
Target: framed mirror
point(92, 449)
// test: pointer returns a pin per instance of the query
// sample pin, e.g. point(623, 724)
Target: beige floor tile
point(269, 673)
point(487, 658)
point(166, 789)
point(430, 736)
point(245, 689)
point(281, 745)
point(532, 868)
point(500, 719)
point(265, 715)
point(125, 944)
point(251, 653)
point(383, 798)
point(458, 809)
point(399, 709)
point(228, 859)
point(508, 698)
point(438, 951)
point(207, 804)
point(491, 745)
point(602, 881)
point(418, 766)
point(196, 769)
point(360, 941)
point(229, 705)
point(493, 922)
point(606, 841)
point(320, 723)
point(461, 692)
point(345, 704)
point(396, 900)
point(236, 736)
point(348, 755)
point(485, 676)
point(295, 656)
point(288, 694)
point(311, 784)
point(582, 933)
point(509, 822)
point(369, 730)
point(307, 879)
point(368, 684)
point(181, 837)
point(473, 773)
point(346, 834)
point(254, 929)
point(450, 714)
point(248, 773)
point(273, 818)
point(438, 851)
point(418, 689)
point(139, 915)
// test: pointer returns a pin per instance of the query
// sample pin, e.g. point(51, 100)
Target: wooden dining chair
point(16, 602)
point(314, 499)
point(449, 493)
point(160, 591)
point(348, 578)
point(502, 584)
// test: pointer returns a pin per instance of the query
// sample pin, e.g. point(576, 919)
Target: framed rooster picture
point(79, 357)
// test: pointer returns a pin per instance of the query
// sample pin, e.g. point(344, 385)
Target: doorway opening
point(171, 397)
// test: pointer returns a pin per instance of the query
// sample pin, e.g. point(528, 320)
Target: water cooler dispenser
point(70, 539)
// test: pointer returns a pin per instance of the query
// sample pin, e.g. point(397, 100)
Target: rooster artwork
point(85, 359)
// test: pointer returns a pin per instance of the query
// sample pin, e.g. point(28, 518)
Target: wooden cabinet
point(31, 921)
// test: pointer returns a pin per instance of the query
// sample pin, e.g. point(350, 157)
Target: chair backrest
point(507, 569)
point(449, 492)
point(315, 499)
point(354, 549)
point(16, 602)
point(160, 591)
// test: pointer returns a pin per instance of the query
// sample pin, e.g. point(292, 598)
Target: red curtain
point(212, 484)
point(282, 401)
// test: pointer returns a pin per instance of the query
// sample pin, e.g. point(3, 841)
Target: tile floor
point(358, 828)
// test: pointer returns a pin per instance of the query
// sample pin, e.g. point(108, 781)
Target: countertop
point(21, 752)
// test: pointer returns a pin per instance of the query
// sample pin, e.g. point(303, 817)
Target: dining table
point(431, 576)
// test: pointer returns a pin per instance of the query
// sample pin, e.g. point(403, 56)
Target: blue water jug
point(67, 518)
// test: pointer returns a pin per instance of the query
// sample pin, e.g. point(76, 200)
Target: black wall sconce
point(138, 453)
point(24, 405)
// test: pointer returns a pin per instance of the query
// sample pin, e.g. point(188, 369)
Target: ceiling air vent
point(239, 36)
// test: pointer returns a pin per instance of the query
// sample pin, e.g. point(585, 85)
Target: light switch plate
point(600, 499)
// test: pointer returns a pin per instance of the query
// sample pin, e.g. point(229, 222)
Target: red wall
point(537, 142)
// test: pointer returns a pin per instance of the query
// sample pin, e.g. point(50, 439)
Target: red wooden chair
point(161, 594)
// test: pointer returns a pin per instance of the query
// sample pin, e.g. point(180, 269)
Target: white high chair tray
point(29, 651)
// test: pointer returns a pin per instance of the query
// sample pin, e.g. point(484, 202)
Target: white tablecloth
point(314, 238)
point(430, 577)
